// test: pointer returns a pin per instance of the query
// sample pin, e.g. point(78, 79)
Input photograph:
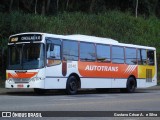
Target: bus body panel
point(55, 83)
point(96, 83)
point(103, 83)
point(92, 74)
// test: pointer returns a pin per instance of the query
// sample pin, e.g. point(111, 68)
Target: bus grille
point(148, 75)
point(21, 80)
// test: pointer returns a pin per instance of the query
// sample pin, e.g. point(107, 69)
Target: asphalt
point(5, 90)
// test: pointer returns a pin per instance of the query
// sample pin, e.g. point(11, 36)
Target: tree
point(35, 8)
point(43, 7)
point(92, 5)
point(136, 7)
point(48, 5)
point(28, 4)
point(10, 5)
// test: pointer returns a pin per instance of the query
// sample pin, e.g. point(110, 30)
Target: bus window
point(131, 57)
point(70, 50)
point(150, 57)
point(117, 54)
point(87, 52)
point(142, 57)
point(103, 53)
point(53, 51)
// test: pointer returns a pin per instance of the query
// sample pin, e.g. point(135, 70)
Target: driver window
point(53, 51)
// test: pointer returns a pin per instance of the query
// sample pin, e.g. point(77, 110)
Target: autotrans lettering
point(101, 68)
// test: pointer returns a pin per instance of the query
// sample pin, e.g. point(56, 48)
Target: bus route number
point(71, 65)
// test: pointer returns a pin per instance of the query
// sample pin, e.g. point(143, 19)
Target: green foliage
point(120, 26)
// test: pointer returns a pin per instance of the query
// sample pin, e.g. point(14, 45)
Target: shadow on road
point(80, 92)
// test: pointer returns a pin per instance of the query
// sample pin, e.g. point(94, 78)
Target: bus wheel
point(72, 85)
point(40, 91)
point(131, 85)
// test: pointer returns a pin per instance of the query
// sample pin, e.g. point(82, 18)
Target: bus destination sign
point(25, 38)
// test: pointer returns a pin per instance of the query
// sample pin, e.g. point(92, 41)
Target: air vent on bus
point(148, 75)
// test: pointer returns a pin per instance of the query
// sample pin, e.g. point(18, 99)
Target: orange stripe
point(106, 70)
point(22, 75)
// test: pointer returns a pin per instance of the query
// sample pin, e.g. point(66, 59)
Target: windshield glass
point(26, 56)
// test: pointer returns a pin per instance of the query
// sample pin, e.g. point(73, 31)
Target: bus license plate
point(20, 86)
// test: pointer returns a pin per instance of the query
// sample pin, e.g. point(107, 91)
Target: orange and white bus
point(47, 61)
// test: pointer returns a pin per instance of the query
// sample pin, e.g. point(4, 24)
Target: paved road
point(141, 100)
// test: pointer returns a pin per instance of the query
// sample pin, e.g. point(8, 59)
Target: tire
point(131, 85)
point(72, 86)
point(40, 91)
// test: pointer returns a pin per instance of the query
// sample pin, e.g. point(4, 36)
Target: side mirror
point(52, 47)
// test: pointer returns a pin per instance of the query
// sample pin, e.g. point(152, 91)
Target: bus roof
point(87, 38)
point(94, 39)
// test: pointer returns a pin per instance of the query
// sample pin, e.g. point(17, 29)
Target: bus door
point(53, 57)
point(146, 69)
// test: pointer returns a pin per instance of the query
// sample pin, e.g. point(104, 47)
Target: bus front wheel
point(131, 85)
point(72, 86)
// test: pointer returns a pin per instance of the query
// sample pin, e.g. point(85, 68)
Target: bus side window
point(118, 54)
point(53, 52)
point(150, 57)
point(87, 52)
point(103, 53)
point(131, 56)
point(142, 57)
point(70, 50)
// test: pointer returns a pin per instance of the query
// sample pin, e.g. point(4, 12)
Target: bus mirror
point(52, 47)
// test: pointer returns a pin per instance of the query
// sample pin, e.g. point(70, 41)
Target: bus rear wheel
point(72, 86)
point(131, 85)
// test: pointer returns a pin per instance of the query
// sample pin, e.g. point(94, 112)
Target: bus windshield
point(26, 56)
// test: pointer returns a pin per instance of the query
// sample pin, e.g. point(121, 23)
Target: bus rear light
point(6, 76)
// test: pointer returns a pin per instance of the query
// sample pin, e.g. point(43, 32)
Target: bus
point(43, 61)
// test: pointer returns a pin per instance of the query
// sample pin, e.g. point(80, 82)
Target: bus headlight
point(10, 81)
